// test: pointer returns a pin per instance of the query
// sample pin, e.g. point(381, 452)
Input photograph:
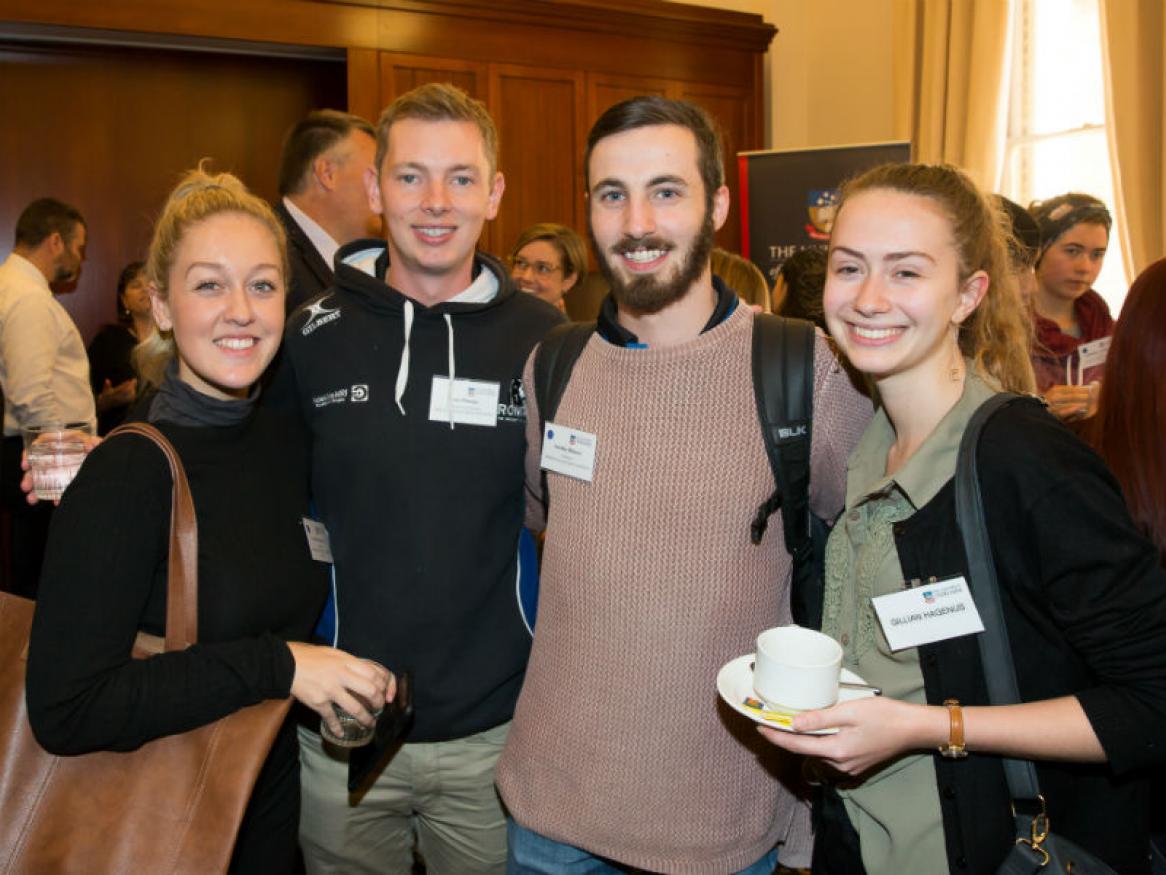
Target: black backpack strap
point(554, 360)
point(783, 382)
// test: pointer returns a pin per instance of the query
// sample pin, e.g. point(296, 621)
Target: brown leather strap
point(955, 747)
point(182, 584)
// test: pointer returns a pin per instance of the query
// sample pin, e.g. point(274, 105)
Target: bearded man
point(619, 755)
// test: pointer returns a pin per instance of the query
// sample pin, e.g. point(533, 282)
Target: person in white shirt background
point(44, 370)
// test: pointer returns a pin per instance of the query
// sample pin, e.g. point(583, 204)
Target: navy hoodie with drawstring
point(424, 520)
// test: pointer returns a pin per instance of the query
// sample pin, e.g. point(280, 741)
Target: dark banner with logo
point(788, 198)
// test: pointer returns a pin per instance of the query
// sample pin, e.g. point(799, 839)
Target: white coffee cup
point(796, 668)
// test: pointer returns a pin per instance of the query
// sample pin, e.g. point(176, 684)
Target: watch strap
point(955, 747)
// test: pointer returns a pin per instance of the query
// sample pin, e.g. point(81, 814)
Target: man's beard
point(66, 272)
point(650, 294)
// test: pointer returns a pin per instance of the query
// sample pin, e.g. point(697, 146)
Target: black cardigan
point(1084, 603)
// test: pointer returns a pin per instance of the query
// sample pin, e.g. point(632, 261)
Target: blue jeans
point(533, 854)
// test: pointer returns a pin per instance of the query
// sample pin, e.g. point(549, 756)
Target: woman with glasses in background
point(548, 260)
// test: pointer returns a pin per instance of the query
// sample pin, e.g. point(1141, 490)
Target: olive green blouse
point(895, 809)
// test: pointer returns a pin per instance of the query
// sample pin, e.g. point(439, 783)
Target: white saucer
point(735, 685)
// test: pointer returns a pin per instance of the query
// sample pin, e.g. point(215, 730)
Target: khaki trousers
point(439, 794)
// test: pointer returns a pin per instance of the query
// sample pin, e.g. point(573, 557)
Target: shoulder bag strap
point(182, 585)
point(995, 652)
point(783, 384)
point(554, 360)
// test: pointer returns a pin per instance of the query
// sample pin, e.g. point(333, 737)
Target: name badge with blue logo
point(472, 402)
point(931, 612)
point(1092, 354)
point(568, 451)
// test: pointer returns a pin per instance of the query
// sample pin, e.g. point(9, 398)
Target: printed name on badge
point(1093, 353)
point(568, 451)
point(318, 543)
point(928, 613)
point(474, 402)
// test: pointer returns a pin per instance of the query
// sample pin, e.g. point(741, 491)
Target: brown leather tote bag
point(173, 805)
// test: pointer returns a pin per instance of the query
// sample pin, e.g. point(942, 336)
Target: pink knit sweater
point(650, 584)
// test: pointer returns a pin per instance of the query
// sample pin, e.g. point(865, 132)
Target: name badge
point(318, 543)
point(568, 451)
point(472, 402)
point(928, 613)
point(1093, 353)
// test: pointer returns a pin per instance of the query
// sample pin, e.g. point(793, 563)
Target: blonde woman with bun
point(217, 271)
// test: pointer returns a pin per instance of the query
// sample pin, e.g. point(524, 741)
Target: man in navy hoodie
point(408, 375)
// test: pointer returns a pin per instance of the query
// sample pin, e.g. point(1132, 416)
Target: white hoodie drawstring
point(449, 387)
point(481, 290)
point(403, 368)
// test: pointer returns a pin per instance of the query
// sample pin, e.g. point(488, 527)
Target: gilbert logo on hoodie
point(319, 315)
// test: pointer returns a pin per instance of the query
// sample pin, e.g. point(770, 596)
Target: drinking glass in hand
point(353, 732)
point(55, 453)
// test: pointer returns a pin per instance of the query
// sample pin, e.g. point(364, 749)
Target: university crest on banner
point(789, 198)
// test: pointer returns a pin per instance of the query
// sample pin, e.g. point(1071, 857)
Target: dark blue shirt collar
point(610, 330)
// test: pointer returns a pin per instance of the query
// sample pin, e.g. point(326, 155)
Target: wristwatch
point(954, 749)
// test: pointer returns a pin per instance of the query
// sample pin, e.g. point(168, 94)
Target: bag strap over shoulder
point(995, 650)
point(783, 383)
point(554, 360)
point(182, 576)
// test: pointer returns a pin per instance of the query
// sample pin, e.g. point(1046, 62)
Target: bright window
point(1056, 116)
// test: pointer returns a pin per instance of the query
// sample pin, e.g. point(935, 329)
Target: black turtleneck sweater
point(105, 578)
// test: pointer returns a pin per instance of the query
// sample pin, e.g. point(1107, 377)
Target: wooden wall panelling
point(541, 117)
point(364, 83)
point(757, 101)
point(733, 108)
point(289, 22)
point(110, 129)
point(566, 58)
point(607, 89)
point(656, 38)
point(673, 40)
point(402, 72)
